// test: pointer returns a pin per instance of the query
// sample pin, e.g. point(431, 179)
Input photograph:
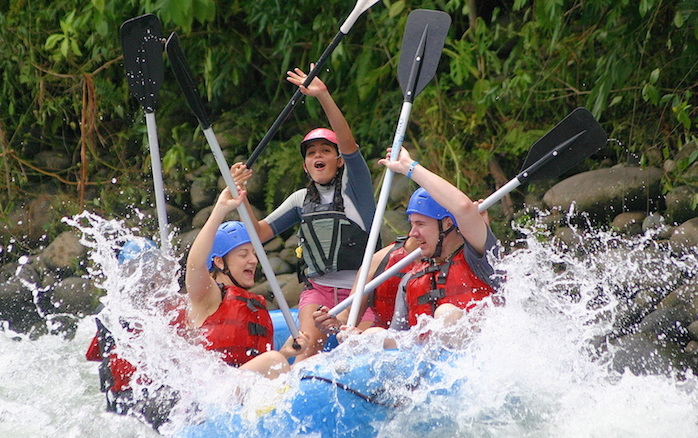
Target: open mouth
point(320, 165)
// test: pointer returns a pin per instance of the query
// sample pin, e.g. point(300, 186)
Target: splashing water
point(531, 369)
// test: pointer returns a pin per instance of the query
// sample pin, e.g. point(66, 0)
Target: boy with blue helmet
point(455, 240)
point(454, 273)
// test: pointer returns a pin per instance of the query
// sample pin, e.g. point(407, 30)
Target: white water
point(530, 369)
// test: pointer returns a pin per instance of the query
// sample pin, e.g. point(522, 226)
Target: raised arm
point(340, 126)
point(471, 224)
point(204, 294)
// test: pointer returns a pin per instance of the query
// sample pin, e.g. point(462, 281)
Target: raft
point(347, 396)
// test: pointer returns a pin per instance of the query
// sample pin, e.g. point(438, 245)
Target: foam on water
point(531, 370)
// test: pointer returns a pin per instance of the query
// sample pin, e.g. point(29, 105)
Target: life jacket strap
point(256, 329)
point(431, 296)
point(252, 304)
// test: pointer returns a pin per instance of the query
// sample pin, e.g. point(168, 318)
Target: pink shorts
point(328, 296)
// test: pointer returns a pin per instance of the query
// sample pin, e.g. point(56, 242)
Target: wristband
point(411, 169)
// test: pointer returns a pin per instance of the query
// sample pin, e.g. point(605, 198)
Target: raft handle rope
point(370, 399)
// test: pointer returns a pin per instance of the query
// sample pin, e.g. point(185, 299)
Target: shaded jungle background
point(73, 138)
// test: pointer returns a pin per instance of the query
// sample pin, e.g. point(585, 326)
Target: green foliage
point(501, 84)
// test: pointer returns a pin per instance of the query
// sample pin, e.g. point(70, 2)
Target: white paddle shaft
point(254, 237)
point(160, 204)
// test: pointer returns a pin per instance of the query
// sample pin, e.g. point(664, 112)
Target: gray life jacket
point(330, 241)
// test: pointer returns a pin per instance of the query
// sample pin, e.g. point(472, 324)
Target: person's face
point(322, 161)
point(425, 231)
point(242, 263)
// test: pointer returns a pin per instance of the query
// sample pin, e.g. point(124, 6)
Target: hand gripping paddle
point(422, 44)
point(186, 82)
point(574, 139)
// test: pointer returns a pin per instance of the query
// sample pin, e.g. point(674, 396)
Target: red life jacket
point(383, 299)
point(241, 327)
point(452, 281)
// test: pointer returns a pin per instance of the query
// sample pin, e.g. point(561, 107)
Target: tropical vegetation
point(509, 71)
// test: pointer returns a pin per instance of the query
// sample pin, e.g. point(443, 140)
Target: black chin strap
point(442, 235)
point(226, 271)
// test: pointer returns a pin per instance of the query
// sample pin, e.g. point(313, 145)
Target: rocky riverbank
point(654, 329)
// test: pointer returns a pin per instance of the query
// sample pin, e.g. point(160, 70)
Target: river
point(529, 370)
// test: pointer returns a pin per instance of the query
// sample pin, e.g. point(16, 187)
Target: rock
point(292, 241)
point(64, 253)
point(569, 237)
point(394, 224)
point(656, 223)
point(202, 193)
point(278, 265)
point(76, 296)
point(200, 218)
point(17, 298)
point(679, 204)
point(629, 222)
point(52, 160)
point(642, 354)
point(685, 235)
point(184, 241)
point(693, 333)
point(274, 245)
point(289, 285)
point(604, 193)
point(289, 256)
point(256, 186)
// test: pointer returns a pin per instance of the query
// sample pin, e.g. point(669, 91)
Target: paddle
point(569, 142)
point(359, 8)
point(186, 82)
point(422, 43)
point(142, 47)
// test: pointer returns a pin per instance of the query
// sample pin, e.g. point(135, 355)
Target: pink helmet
point(318, 134)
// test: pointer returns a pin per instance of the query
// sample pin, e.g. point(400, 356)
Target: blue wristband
point(411, 169)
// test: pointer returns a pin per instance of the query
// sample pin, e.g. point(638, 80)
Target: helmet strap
point(442, 235)
point(226, 271)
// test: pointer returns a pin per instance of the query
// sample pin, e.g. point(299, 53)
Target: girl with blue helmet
point(220, 269)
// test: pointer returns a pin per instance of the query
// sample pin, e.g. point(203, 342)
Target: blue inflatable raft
point(347, 396)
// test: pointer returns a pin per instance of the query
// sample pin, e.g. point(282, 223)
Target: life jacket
point(326, 233)
point(241, 327)
point(452, 281)
point(383, 298)
point(115, 373)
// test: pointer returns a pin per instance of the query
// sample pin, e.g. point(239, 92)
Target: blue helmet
point(421, 202)
point(229, 236)
point(135, 248)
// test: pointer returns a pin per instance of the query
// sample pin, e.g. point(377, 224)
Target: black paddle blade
point(422, 44)
point(572, 140)
point(185, 79)
point(142, 46)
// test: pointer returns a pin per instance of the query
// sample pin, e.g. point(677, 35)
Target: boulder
point(679, 204)
point(604, 193)
point(18, 282)
point(685, 235)
point(202, 193)
point(76, 296)
point(64, 253)
point(629, 222)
